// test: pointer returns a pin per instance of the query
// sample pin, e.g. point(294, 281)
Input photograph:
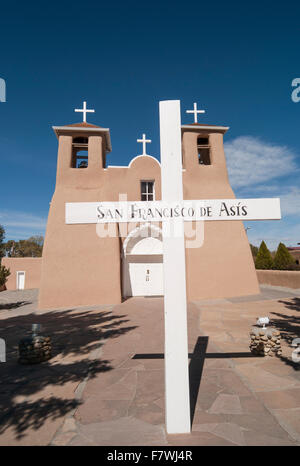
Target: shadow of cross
point(197, 359)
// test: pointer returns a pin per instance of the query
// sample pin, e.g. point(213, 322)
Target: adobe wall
point(32, 267)
point(80, 268)
point(287, 278)
point(295, 254)
point(223, 266)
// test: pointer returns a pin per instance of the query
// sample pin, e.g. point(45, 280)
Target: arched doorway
point(143, 262)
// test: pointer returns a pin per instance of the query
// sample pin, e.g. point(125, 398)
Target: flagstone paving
point(105, 383)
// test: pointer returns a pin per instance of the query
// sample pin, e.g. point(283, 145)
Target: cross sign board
point(174, 210)
point(159, 211)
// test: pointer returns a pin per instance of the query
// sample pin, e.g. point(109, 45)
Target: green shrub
point(254, 250)
point(283, 259)
point(263, 259)
point(4, 274)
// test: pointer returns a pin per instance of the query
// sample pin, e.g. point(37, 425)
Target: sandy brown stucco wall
point(287, 278)
point(79, 268)
point(31, 266)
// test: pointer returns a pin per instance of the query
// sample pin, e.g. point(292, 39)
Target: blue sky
point(236, 60)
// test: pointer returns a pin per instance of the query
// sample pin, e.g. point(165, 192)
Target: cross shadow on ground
point(74, 334)
point(197, 359)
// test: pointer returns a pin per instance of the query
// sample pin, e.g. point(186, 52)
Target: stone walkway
point(105, 384)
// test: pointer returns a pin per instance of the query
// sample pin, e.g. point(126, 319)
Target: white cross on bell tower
point(84, 111)
point(195, 112)
point(144, 141)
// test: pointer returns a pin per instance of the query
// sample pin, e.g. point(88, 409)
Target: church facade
point(82, 266)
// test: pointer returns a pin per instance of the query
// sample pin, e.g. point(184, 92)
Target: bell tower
point(78, 267)
point(223, 266)
point(82, 150)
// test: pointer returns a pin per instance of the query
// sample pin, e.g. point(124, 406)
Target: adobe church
point(80, 267)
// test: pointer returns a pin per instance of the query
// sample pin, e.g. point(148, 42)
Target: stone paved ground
point(105, 384)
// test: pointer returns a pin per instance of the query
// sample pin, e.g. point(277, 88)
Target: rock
point(265, 342)
point(35, 349)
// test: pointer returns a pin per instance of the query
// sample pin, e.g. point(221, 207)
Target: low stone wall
point(265, 342)
point(287, 278)
point(34, 349)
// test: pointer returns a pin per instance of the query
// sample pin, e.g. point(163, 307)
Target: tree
point(39, 240)
point(283, 259)
point(4, 274)
point(254, 250)
point(263, 259)
point(31, 247)
point(10, 247)
point(2, 244)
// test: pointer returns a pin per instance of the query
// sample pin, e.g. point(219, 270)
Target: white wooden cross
point(144, 141)
point(195, 112)
point(173, 209)
point(84, 111)
point(177, 392)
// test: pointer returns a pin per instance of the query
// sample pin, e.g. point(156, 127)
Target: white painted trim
point(80, 128)
point(126, 166)
point(137, 231)
point(124, 255)
point(148, 181)
point(56, 129)
point(138, 156)
point(202, 127)
point(17, 278)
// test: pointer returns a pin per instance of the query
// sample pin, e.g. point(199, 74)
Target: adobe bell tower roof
point(200, 126)
point(205, 128)
point(86, 129)
point(84, 124)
